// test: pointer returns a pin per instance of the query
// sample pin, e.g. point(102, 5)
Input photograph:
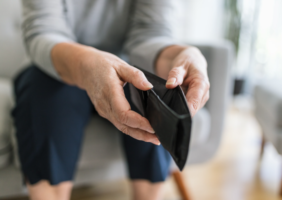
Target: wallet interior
point(173, 98)
point(168, 113)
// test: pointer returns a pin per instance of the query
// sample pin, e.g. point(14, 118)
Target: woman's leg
point(50, 117)
point(145, 190)
point(43, 191)
point(148, 165)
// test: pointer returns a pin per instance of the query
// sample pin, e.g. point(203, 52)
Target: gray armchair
point(268, 112)
point(102, 156)
point(208, 123)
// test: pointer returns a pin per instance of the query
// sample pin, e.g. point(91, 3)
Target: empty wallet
point(168, 114)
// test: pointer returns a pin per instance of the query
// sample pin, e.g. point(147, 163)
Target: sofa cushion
point(101, 144)
point(6, 104)
point(268, 100)
point(272, 133)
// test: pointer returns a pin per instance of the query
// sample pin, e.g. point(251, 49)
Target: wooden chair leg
point(178, 177)
point(280, 190)
point(262, 146)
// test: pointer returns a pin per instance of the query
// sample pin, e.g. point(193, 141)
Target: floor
point(235, 173)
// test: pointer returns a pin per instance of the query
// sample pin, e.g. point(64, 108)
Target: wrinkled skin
point(186, 66)
point(103, 76)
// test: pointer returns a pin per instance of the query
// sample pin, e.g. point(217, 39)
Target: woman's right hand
point(103, 76)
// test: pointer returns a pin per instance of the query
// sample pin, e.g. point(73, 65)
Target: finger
point(123, 114)
point(176, 76)
point(205, 98)
point(138, 134)
point(135, 120)
point(135, 76)
point(195, 94)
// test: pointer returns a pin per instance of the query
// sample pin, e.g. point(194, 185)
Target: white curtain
point(260, 50)
point(268, 47)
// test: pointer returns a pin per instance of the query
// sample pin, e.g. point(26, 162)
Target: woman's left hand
point(187, 67)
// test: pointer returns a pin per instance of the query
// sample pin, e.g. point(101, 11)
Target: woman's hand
point(103, 76)
point(187, 67)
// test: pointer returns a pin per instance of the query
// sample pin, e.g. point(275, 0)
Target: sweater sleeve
point(44, 25)
point(150, 32)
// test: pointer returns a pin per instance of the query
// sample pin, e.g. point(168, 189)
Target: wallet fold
point(168, 113)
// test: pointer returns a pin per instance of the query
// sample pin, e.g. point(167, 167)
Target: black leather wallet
point(168, 114)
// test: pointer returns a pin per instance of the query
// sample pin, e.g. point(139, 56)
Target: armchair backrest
point(12, 52)
point(220, 59)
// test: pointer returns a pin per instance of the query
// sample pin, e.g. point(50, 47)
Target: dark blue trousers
point(50, 118)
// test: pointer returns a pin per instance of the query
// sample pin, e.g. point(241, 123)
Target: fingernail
point(171, 81)
point(156, 142)
point(151, 130)
point(147, 84)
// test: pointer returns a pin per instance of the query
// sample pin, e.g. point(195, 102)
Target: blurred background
point(247, 163)
point(253, 26)
point(241, 169)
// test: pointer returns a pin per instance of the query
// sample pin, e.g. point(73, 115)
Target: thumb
point(194, 96)
point(176, 76)
point(134, 76)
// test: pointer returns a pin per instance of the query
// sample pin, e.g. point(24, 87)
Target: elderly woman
point(76, 49)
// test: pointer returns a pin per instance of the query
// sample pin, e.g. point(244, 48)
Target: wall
point(199, 21)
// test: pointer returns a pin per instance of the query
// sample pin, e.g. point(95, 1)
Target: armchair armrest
point(219, 58)
point(268, 102)
point(6, 103)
